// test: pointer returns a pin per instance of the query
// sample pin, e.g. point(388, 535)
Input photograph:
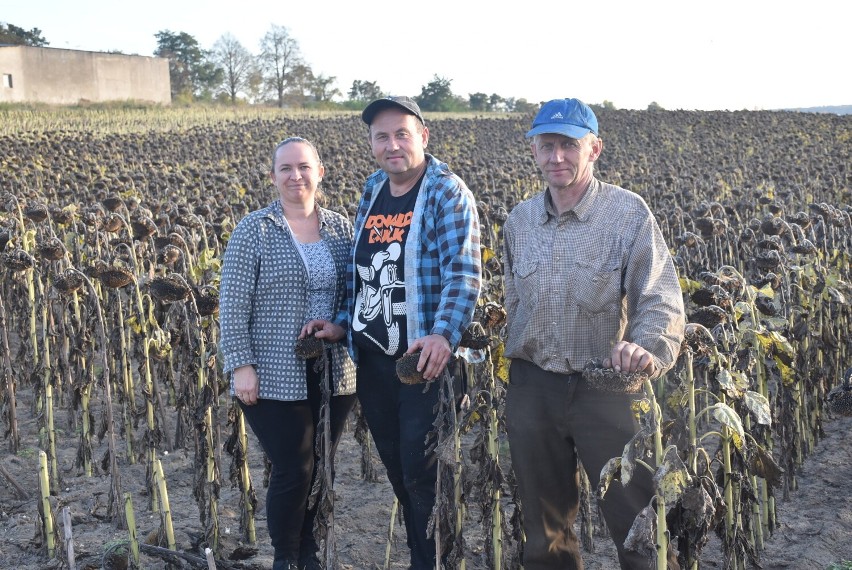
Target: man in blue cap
point(587, 275)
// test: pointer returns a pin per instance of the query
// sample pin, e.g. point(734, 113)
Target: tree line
point(278, 75)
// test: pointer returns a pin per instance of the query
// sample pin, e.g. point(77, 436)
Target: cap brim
point(571, 131)
point(370, 111)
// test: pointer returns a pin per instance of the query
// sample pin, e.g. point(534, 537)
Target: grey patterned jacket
point(263, 302)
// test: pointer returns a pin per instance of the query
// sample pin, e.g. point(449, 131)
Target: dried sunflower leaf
point(672, 479)
point(729, 418)
point(608, 474)
point(758, 405)
point(642, 535)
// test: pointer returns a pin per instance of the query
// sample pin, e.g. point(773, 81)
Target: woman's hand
point(246, 385)
point(323, 329)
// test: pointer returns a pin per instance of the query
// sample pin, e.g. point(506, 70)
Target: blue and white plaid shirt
point(443, 274)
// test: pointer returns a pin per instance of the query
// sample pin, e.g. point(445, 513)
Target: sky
point(680, 54)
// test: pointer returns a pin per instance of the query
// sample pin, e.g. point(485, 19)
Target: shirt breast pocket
point(597, 288)
point(525, 275)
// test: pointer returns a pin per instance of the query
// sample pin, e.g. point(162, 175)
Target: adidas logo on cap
point(557, 115)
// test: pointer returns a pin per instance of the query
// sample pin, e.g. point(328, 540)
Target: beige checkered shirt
point(578, 283)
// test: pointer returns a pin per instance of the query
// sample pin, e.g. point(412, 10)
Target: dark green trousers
point(554, 422)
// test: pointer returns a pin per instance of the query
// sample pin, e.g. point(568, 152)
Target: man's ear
point(597, 149)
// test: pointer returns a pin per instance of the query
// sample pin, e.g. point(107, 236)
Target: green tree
point(654, 106)
point(236, 63)
point(192, 74)
point(496, 103)
point(478, 102)
point(280, 62)
point(365, 91)
point(12, 34)
point(323, 89)
point(301, 81)
point(521, 105)
point(437, 96)
point(609, 105)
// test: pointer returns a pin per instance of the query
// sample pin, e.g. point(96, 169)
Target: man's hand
point(323, 329)
point(434, 355)
point(630, 357)
point(246, 385)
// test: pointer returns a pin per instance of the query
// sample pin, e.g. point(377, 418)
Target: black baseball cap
point(406, 104)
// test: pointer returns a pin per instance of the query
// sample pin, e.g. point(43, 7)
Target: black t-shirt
point(379, 322)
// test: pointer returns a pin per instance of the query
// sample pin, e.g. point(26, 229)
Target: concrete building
point(68, 77)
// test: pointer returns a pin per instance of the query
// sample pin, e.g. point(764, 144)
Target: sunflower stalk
point(208, 488)
point(13, 436)
point(131, 529)
point(165, 507)
point(247, 501)
point(115, 494)
point(48, 523)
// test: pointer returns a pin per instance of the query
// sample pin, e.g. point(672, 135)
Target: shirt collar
point(581, 210)
point(275, 212)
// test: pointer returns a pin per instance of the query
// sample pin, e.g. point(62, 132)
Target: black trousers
point(400, 417)
point(554, 421)
point(287, 431)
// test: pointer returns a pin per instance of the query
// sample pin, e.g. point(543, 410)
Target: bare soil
point(815, 521)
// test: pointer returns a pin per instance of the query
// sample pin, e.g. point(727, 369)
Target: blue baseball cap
point(568, 117)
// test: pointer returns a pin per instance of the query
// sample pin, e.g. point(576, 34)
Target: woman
point(284, 267)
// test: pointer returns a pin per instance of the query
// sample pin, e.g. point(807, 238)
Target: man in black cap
point(414, 286)
point(588, 275)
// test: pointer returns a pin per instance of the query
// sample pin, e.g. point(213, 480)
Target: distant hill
point(835, 109)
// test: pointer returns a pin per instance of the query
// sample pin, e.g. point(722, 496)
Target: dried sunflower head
point(17, 260)
point(406, 369)
point(143, 227)
point(62, 215)
point(68, 281)
point(805, 247)
point(51, 249)
point(709, 316)
point(115, 276)
point(169, 289)
point(767, 260)
point(839, 398)
point(5, 237)
point(188, 221)
point(698, 339)
point(113, 202)
point(207, 300)
point(712, 295)
point(474, 337)
point(37, 212)
point(112, 223)
point(309, 347)
point(492, 315)
point(168, 254)
point(609, 380)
